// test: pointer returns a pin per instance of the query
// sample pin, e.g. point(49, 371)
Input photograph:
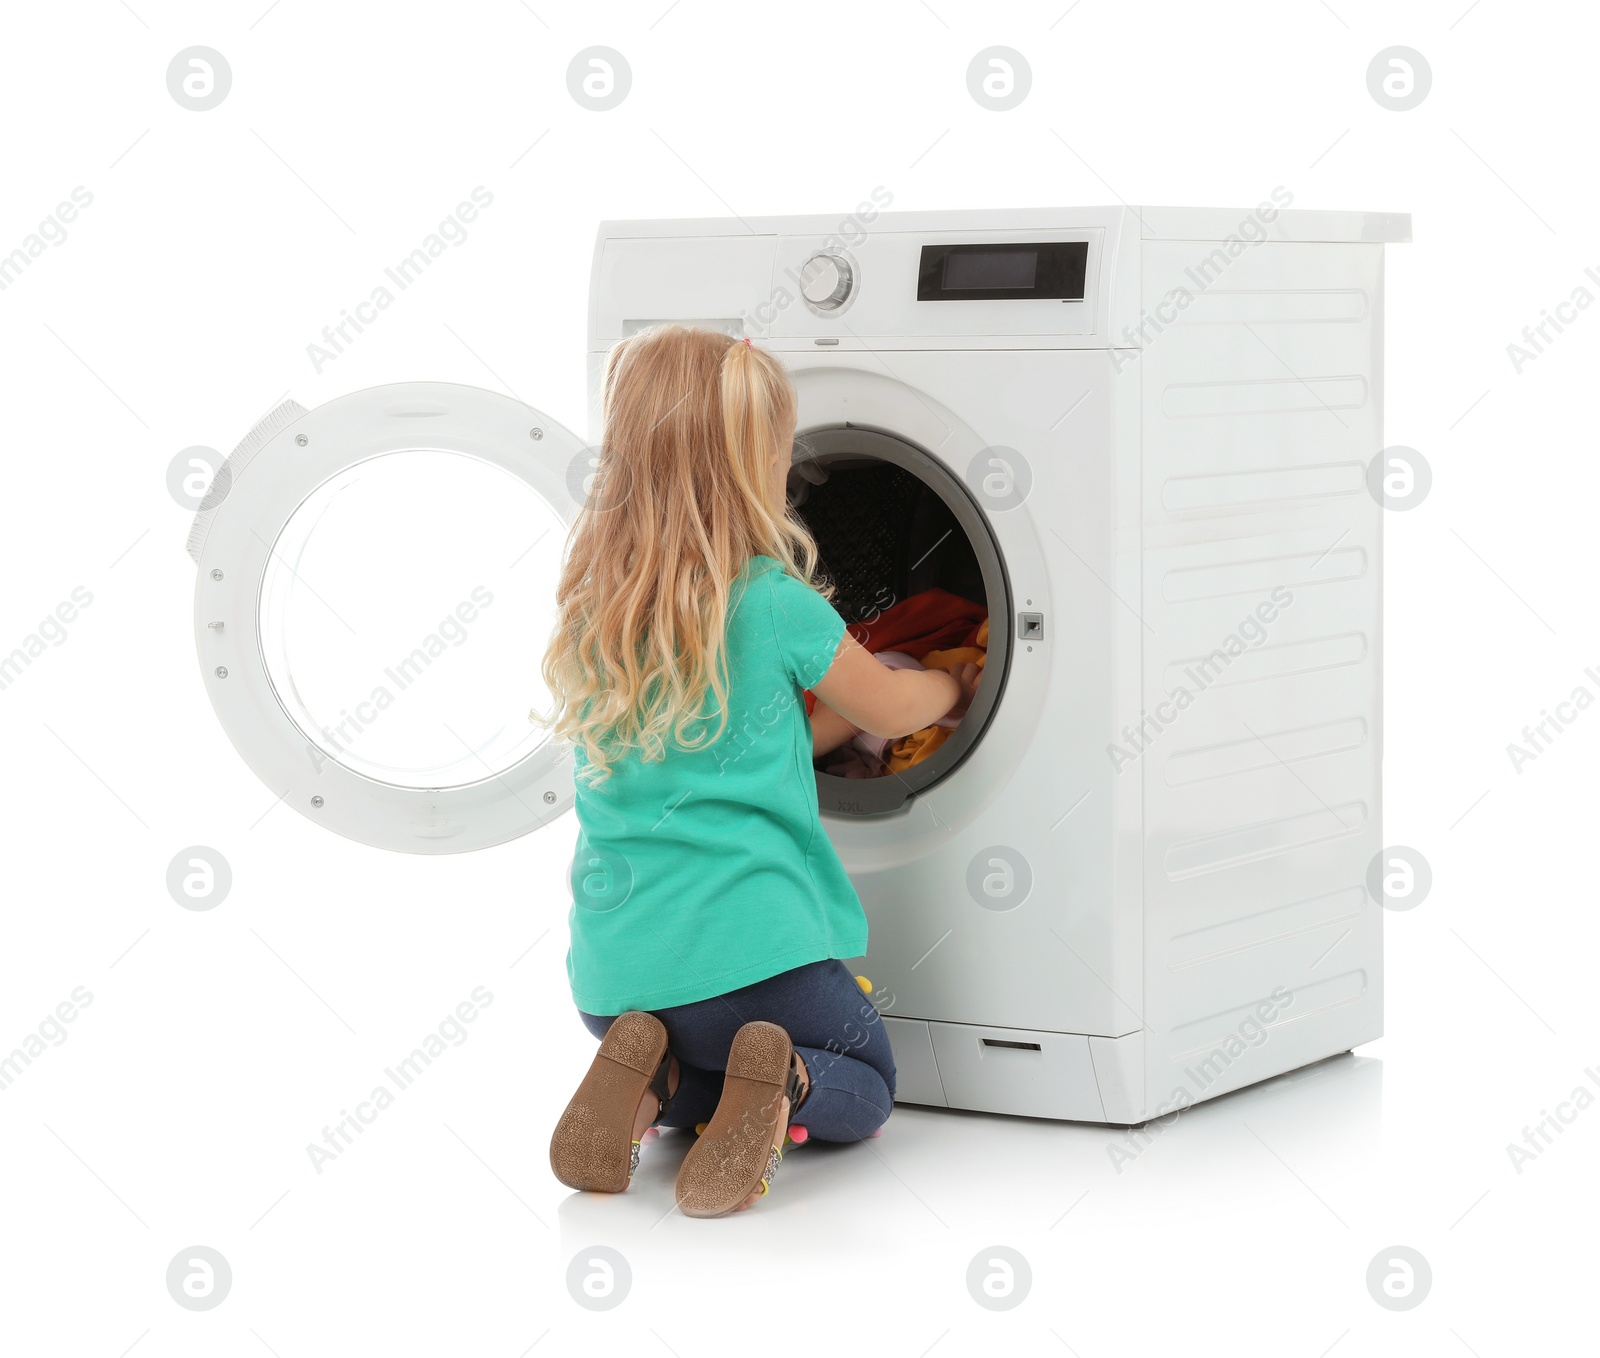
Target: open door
point(376, 587)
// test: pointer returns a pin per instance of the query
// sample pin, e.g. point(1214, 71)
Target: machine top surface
point(1147, 222)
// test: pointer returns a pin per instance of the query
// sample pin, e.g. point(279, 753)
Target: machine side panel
point(1259, 746)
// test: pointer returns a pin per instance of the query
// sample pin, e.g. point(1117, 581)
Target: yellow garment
point(919, 745)
point(916, 747)
point(975, 654)
point(958, 655)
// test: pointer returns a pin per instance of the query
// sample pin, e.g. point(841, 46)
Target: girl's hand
point(967, 676)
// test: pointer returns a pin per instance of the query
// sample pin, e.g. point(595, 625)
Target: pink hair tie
point(747, 343)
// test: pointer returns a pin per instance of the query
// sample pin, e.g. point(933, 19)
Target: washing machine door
point(376, 586)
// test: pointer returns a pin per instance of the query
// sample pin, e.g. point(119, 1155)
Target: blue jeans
point(832, 1025)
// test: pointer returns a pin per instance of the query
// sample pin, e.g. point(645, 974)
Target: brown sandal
point(735, 1154)
point(593, 1147)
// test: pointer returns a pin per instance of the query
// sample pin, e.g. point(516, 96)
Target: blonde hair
point(682, 497)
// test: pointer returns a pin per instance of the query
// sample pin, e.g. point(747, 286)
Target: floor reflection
point(936, 1171)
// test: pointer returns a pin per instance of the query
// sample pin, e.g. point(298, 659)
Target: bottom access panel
point(996, 1070)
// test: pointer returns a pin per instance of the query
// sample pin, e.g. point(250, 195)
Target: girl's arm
point(871, 697)
point(828, 730)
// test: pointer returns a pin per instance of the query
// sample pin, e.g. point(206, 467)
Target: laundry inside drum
point(913, 567)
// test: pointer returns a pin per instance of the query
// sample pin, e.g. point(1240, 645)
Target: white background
point(218, 1044)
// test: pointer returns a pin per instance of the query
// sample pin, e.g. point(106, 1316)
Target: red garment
point(933, 620)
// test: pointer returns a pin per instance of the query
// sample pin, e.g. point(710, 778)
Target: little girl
point(710, 910)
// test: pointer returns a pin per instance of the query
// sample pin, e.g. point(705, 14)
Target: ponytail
point(758, 406)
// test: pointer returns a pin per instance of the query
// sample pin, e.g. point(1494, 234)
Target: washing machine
point(1135, 876)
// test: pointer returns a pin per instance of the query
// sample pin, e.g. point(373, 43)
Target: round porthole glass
point(892, 523)
point(404, 609)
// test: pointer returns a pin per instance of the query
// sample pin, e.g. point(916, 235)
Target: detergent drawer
point(916, 1072)
point(1012, 1070)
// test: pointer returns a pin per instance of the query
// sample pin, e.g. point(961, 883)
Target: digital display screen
point(1051, 270)
point(990, 269)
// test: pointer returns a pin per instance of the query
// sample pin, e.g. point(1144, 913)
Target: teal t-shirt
point(709, 869)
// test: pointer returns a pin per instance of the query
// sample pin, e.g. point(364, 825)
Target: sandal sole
point(725, 1166)
point(592, 1146)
